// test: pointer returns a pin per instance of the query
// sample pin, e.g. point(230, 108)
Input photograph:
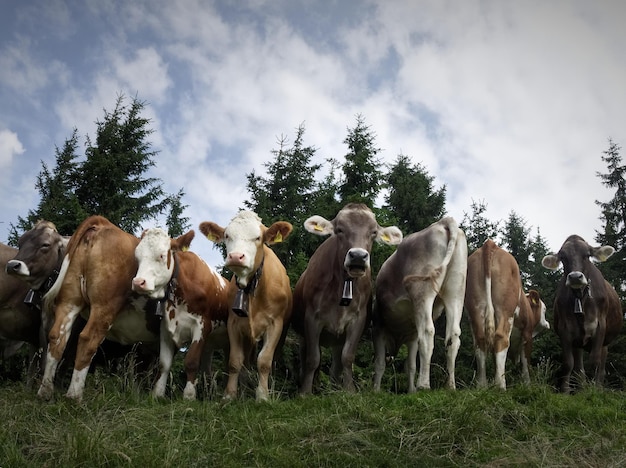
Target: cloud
point(10, 146)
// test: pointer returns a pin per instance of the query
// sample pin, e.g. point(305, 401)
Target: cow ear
point(551, 262)
point(277, 232)
point(318, 226)
point(390, 235)
point(533, 296)
point(212, 231)
point(603, 253)
point(183, 242)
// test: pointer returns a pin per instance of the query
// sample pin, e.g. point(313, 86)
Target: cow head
point(156, 262)
point(41, 252)
point(574, 256)
point(244, 238)
point(538, 308)
point(355, 229)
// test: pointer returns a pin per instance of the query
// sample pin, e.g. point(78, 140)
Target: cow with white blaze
point(587, 309)
point(424, 276)
point(195, 300)
point(260, 294)
point(95, 282)
point(333, 296)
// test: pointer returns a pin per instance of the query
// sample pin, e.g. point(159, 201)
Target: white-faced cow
point(28, 274)
point(195, 303)
point(587, 310)
point(260, 294)
point(332, 298)
point(95, 280)
point(496, 303)
point(530, 321)
point(424, 276)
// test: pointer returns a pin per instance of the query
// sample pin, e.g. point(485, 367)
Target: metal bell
point(346, 296)
point(240, 305)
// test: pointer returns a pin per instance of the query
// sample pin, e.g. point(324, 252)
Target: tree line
point(110, 179)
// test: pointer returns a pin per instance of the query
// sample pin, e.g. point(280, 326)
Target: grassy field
point(119, 424)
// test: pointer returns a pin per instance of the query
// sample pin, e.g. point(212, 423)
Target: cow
point(530, 321)
point(95, 281)
point(496, 304)
point(28, 273)
point(587, 310)
point(195, 303)
point(333, 296)
point(425, 275)
point(259, 292)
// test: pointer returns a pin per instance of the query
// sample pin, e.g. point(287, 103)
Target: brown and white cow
point(260, 294)
point(29, 272)
point(424, 276)
point(195, 303)
point(530, 321)
point(95, 280)
point(587, 310)
point(332, 298)
point(496, 304)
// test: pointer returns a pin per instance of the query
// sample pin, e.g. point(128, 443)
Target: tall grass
point(119, 424)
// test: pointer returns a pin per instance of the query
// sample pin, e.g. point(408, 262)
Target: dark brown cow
point(332, 298)
point(259, 291)
point(95, 280)
point(495, 301)
point(196, 303)
point(530, 321)
point(424, 276)
point(587, 310)
point(32, 269)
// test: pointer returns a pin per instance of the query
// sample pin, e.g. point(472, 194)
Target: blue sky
point(510, 103)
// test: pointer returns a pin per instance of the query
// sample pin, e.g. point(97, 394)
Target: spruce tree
point(477, 227)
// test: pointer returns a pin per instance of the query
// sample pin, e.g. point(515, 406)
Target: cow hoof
point(45, 392)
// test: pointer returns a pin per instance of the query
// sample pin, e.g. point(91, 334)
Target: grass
point(121, 425)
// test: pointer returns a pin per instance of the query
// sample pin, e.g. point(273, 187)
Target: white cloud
point(10, 146)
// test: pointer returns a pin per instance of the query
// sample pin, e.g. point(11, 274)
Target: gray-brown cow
point(332, 298)
point(587, 310)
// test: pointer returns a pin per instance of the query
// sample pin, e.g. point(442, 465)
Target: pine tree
point(362, 176)
point(176, 223)
point(57, 189)
point(477, 227)
point(288, 193)
point(515, 239)
point(411, 196)
point(115, 185)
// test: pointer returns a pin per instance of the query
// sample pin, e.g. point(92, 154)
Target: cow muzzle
point(576, 280)
point(357, 262)
point(16, 268)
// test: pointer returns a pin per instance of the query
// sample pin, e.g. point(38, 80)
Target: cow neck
point(242, 296)
point(34, 296)
point(580, 295)
point(170, 289)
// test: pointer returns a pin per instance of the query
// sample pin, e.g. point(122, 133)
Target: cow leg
point(601, 368)
point(481, 367)
point(567, 366)
point(311, 359)
point(525, 356)
point(235, 363)
point(379, 356)
point(57, 341)
point(265, 359)
point(88, 341)
point(167, 351)
point(501, 347)
point(336, 365)
point(426, 344)
point(454, 312)
point(411, 363)
point(192, 365)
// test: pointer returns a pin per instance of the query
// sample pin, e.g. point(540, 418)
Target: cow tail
point(490, 321)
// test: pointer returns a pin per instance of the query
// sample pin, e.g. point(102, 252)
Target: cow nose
point(357, 256)
point(139, 283)
point(235, 258)
point(13, 266)
point(576, 280)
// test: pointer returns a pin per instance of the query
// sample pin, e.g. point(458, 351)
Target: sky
point(507, 103)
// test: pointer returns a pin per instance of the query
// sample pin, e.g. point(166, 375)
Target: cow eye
point(45, 246)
